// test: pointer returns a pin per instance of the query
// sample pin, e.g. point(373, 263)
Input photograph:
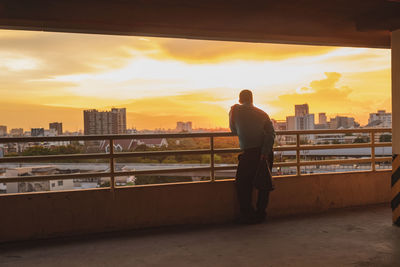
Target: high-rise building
point(57, 126)
point(3, 130)
point(301, 110)
point(298, 123)
point(302, 120)
point(322, 118)
point(37, 132)
point(17, 132)
point(121, 119)
point(184, 126)
point(104, 122)
point(380, 119)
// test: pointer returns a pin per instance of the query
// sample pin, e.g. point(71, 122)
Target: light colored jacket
point(253, 127)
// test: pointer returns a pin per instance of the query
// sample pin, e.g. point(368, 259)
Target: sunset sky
point(46, 77)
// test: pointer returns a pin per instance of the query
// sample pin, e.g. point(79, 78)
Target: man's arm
point(269, 138)
point(232, 124)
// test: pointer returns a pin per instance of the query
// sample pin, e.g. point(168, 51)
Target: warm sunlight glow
point(54, 76)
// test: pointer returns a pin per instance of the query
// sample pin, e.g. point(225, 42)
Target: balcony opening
point(64, 84)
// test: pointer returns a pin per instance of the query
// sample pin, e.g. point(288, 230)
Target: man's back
point(253, 126)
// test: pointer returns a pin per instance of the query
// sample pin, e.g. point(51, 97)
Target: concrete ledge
point(64, 213)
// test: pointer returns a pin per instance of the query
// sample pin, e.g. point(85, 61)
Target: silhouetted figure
point(256, 139)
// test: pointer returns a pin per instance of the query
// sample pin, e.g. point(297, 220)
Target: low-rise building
point(380, 119)
point(184, 126)
point(35, 186)
point(17, 132)
point(37, 132)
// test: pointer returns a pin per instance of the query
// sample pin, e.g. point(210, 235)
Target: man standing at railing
point(256, 138)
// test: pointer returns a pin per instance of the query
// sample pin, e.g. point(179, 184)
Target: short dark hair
point(246, 96)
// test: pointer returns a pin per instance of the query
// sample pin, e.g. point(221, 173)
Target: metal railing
point(212, 151)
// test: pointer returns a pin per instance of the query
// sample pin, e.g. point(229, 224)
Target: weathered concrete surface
point(53, 214)
point(351, 237)
point(363, 23)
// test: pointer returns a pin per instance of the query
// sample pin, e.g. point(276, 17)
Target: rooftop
point(348, 237)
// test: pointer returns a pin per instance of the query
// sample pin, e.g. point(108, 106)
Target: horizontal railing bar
point(285, 164)
point(383, 159)
point(161, 153)
point(175, 135)
point(55, 157)
point(32, 178)
point(383, 144)
point(277, 164)
point(331, 162)
point(158, 171)
point(226, 168)
point(336, 131)
point(227, 150)
point(285, 148)
point(334, 146)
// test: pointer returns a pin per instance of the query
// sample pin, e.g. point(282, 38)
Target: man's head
point(246, 97)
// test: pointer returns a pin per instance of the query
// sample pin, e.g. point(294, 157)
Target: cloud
point(86, 53)
point(64, 53)
point(325, 95)
point(199, 51)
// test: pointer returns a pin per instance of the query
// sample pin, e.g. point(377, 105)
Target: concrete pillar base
point(396, 190)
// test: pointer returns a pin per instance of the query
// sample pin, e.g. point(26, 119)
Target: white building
point(35, 186)
point(380, 119)
point(298, 123)
point(184, 126)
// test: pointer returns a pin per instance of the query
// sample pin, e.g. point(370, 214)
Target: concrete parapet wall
point(51, 214)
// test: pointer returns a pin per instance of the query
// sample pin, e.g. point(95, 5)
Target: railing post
point(112, 163)
point(298, 154)
point(373, 151)
point(212, 163)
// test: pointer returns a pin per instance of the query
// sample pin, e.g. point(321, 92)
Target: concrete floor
point(350, 237)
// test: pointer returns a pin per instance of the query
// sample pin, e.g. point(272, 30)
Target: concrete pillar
point(396, 126)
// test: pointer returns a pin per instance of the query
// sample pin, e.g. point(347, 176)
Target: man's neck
point(247, 104)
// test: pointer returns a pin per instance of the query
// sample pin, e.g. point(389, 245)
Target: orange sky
point(47, 77)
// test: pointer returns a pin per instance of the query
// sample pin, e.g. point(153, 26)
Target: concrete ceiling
point(360, 23)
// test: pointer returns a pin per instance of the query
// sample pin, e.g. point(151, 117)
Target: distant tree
point(304, 141)
point(36, 151)
point(105, 184)
point(361, 139)
point(385, 138)
point(170, 159)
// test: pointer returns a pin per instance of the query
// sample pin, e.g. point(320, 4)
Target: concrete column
point(396, 126)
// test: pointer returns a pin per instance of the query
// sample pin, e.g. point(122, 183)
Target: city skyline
point(114, 122)
point(55, 76)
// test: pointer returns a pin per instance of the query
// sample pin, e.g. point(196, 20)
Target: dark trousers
point(246, 171)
